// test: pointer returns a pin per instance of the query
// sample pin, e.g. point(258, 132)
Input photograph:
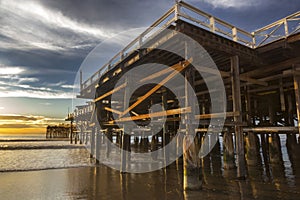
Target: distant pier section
point(59, 131)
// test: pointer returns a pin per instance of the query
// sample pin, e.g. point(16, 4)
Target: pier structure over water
point(261, 76)
point(58, 131)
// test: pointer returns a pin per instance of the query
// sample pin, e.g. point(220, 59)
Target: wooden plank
point(112, 110)
point(110, 92)
point(155, 114)
point(216, 115)
point(156, 87)
point(160, 73)
point(271, 129)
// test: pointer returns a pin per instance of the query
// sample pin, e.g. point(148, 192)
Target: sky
point(43, 43)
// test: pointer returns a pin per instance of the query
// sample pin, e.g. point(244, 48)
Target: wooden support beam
point(155, 114)
point(297, 96)
point(112, 110)
point(166, 135)
point(228, 154)
point(160, 73)
point(98, 145)
point(224, 74)
point(237, 107)
point(272, 68)
point(192, 179)
point(273, 129)
point(281, 93)
point(248, 105)
point(110, 92)
point(183, 65)
point(216, 115)
point(125, 146)
point(93, 142)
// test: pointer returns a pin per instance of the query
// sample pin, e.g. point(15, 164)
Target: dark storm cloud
point(50, 39)
point(116, 14)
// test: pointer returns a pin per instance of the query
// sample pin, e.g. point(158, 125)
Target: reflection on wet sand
point(272, 173)
point(272, 166)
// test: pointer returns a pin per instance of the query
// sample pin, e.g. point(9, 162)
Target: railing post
point(286, 27)
point(253, 40)
point(177, 11)
point(234, 34)
point(122, 55)
point(141, 40)
point(212, 24)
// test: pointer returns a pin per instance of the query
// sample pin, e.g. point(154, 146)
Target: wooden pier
point(58, 131)
point(261, 75)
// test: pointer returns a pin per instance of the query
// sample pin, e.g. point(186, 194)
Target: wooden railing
point(277, 30)
point(193, 15)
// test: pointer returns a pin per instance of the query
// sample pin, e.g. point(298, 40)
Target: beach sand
point(102, 182)
point(83, 183)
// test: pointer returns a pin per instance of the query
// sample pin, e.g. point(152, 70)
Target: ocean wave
point(7, 147)
point(28, 156)
point(44, 168)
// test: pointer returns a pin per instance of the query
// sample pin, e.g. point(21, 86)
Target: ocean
point(34, 152)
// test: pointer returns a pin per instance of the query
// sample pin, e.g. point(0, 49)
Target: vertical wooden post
point(192, 179)
point(237, 107)
point(248, 106)
point(281, 93)
point(125, 151)
point(265, 151)
point(297, 96)
point(166, 136)
point(86, 136)
point(92, 142)
point(71, 132)
point(228, 154)
point(125, 135)
point(98, 145)
point(108, 142)
point(275, 149)
point(252, 146)
point(154, 147)
point(290, 117)
point(271, 111)
point(81, 135)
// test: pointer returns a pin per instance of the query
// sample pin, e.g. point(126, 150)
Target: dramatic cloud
point(10, 70)
point(234, 3)
point(19, 117)
point(30, 25)
point(23, 121)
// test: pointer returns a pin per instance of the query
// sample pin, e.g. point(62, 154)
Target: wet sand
point(102, 182)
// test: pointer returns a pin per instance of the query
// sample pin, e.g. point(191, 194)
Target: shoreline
point(45, 169)
point(34, 140)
